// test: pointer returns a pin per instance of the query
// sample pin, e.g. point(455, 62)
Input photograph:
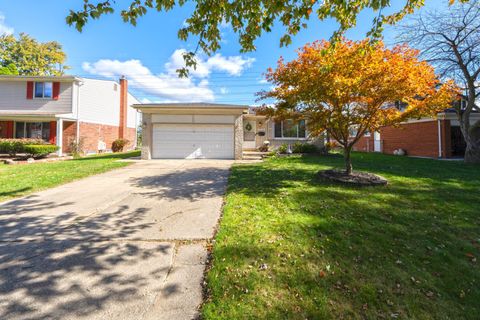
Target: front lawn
point(20, 180)
point(292, 247)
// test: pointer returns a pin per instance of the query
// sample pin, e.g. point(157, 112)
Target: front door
point(249, 134)
point(377, 143)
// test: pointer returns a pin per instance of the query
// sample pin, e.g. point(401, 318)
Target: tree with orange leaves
point(354, 85)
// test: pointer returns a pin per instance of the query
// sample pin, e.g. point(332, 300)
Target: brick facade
point(416, 138)
point(91, 134)
point(365, 144)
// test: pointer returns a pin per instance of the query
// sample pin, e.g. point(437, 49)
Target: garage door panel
point(193, 141)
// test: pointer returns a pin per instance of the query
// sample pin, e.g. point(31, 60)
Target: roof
point(64, 78)
point(189, 105)
point(39, 78)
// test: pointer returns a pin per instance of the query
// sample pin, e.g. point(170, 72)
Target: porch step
point(252, 158)
point(254, 155)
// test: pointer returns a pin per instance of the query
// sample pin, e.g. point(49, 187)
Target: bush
point(76, 148)
point(283, 148)
point(299, 147)
point(39, 150)
point(14, 146)
point(119, 144)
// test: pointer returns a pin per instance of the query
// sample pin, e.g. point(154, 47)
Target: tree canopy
point(249, 19)
point(354, 85)
point(450, 40)
point(9, 69)
point(31, 57)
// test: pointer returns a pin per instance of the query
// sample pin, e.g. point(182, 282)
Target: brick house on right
point(427, 137)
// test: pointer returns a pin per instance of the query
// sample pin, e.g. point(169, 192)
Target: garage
point(193, 141)
point(192, 130)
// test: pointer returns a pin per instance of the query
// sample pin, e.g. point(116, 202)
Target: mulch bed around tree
point(356, 178)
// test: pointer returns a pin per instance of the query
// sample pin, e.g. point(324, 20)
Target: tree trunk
point(471, 135)
point(472, 153)
point(348, 161)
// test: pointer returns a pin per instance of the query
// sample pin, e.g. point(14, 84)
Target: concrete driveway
point(127, 244)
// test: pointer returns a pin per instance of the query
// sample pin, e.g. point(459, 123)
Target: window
point(290, 129)
point(367, 133)
point(43, 89)
point(401, 106)
point(34, 130)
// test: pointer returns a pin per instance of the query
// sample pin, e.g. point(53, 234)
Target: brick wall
point(69, 134)
point(92, 133)
point(417, 139)
point(365, 144)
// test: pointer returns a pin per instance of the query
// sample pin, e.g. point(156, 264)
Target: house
point(207, 130)
point(426, 137)
point(67, 110)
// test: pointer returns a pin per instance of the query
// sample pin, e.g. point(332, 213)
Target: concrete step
point(255, 153)
point(246, 157)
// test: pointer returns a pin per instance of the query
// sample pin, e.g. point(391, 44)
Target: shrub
point(299, 147)
point(39, 150)
point(119, 144)
point(283, 148)
point(14, 146)
point(76, 148)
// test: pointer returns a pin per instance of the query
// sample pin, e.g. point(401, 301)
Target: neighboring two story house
point(67, 110)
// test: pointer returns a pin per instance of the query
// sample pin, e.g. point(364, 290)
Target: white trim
point(439, 139)
point(60, 136)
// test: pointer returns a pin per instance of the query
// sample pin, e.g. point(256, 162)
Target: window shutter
point(9, 129)
point(53, 132)
point(56, 90)
point(30, 90)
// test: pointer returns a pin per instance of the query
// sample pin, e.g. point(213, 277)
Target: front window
point(43, 89)
point(290, 129)
point(33, 130)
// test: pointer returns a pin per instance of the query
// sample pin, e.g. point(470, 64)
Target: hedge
point(298, 147)
point(39, 150)
point(14, 146)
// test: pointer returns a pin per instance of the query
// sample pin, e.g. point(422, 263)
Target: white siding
point(132, 114)
point(99, 102)
point(13, 97)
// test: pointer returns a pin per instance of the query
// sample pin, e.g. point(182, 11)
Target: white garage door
point(193, 141)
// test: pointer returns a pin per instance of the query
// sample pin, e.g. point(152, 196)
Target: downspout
point(77, 138)
point(439, 138)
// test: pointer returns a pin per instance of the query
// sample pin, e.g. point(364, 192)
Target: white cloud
point(168, 85)
point(263, 81)
point(4, 29)
point(164, 85)
point(233, 65)
point(223, 90)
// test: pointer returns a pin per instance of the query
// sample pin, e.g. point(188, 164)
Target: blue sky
point(149, 53)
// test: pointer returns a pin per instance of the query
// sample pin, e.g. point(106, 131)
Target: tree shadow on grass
point(14, 193)
point(374, 240)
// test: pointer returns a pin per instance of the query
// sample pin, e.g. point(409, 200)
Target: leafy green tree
point(248, 18)
point(10, 69)
point(31, 57)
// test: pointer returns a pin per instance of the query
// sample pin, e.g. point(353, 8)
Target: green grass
point(20, 180)
point(329, 251)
